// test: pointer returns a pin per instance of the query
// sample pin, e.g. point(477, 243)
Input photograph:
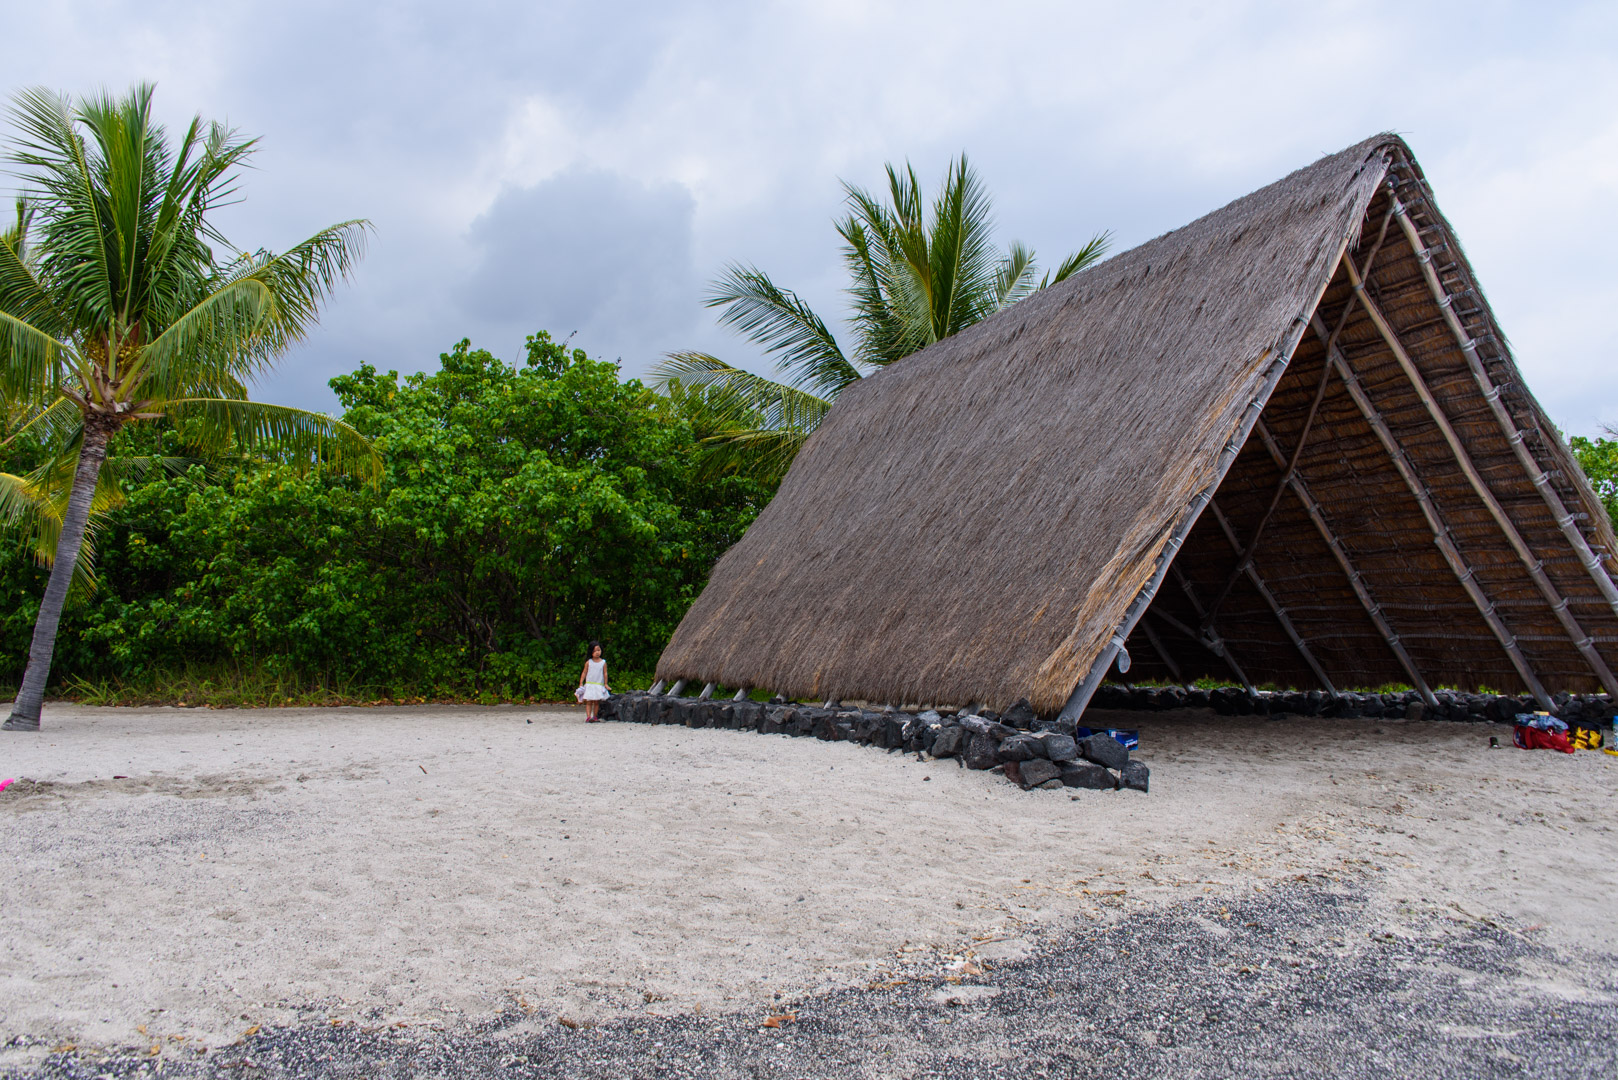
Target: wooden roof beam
point(1534, 565)
point(1491, 393)
point(1162, 652)
point(1355, 579)
point(1280, 613)
point(1435, 522)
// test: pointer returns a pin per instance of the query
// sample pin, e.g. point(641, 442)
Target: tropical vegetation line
point(453, 535)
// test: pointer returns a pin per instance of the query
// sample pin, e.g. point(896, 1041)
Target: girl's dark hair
point(590, 653)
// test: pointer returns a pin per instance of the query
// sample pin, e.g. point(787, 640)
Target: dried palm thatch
point(997, 516)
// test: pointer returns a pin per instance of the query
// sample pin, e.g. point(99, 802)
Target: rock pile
point(1452, 705)
point(1030, 751)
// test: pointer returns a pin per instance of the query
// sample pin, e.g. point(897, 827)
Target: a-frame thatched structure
point(1286, 443)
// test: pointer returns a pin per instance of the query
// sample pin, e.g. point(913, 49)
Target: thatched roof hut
point(1285, 444)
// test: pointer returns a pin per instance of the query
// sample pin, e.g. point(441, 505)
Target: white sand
point(433, 864)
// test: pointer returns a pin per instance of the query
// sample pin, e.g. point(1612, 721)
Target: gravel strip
point(1299, 981)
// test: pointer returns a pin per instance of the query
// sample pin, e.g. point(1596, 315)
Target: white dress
point(595, 680)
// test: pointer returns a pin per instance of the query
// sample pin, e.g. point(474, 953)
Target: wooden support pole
point(1209, 637)
point(1162, 653)
point(674, 691)
point(1535, 566)
point(1440, 531)
point(741, 694)
point(1301, 490)
point(707, 692)
point(1276, 609)
point(1491, 393)
point(657, 688)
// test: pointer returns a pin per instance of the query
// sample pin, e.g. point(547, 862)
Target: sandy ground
point(433, 866)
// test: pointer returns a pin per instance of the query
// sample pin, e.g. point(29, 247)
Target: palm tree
point(915, 278)
point(120, 312)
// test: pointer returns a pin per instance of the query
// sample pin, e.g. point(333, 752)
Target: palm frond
point(788, 328)
point(1087, 255)
point(296, 437)
point(963, 262)
point(257, 307)
point(56, 424)
point(1014, 280)
point(737, 397)
point(22, 294)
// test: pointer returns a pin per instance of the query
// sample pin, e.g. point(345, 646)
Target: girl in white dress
point(593, 686)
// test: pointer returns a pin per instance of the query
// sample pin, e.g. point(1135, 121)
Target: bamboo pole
point(1491, 393)
point(1440, 531)
point(1212, 642)
point(1355, 579)
point(1162, 652)
point(1535, 566)
point(1276, 609)
point(1244, 556)
point(1205, 633)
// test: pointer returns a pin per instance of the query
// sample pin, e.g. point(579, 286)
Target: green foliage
point(523, 511)
point(917, 274)
point(1598, 458)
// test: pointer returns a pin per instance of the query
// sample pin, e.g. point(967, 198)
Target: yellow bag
point(1586, 739)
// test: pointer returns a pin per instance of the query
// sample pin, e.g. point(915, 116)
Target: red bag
point(1530, 738)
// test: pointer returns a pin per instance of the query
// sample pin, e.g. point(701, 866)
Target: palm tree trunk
point(31, 696)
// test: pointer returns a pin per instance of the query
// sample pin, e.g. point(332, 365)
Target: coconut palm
point(114, 309)
point(915, 277)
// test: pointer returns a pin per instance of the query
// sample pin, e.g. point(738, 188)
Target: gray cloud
point(589, 251)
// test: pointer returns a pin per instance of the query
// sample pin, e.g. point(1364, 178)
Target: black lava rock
point(1060, 747)
point(1020, 715)
point(1083, 774)
point(984, 726)
point(896, 729)
point(1135, 775)
point(1020, 748)
point(948, 741)
point(1037, 771)
point(980, 752)
point(776, 719)
point(1103, 749)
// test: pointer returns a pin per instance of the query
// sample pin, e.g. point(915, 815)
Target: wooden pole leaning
point(1300, 489)
point(1440, 530)
point(1582, 641)
point(674, 691)
point(1280, 613)
point(657, 688)
point(1491, 393)
point(707, 692)
point(1162, 653)
point(741, 694)
point(1213, 643)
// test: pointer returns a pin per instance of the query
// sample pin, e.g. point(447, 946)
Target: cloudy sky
point(589, 167)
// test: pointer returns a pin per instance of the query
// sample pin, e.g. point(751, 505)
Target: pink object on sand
point(7, 783)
